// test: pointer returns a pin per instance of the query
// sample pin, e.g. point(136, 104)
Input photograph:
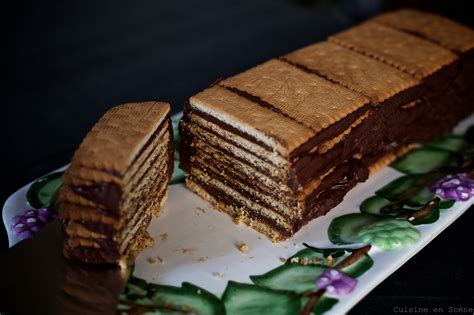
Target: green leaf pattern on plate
point(42, 193)
point(389, 234)
point(453, 143)
point(162, 299)
point(425, 160)
point(248, 299)
point(293, 277)
point(387, 219)
point(279, 291)
point(418, 195)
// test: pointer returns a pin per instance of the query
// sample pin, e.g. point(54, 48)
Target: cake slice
point(282, 143)
point(116, 183)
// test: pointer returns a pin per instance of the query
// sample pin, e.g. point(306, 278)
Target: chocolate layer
point(325, 201)
point(153, 137)
point(230, 169)
point(187, 121)
point(104, 229)
point(188, 110)
point(186, 144)
point(231, 176)
point(109, 195)
point(155, 194)
point(237, 204)
point(93, 255)
point(344, 177)
point(233, 185)
point(106, 194)
point(170, 152)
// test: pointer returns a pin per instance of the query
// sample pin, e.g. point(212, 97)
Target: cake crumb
point(160, 260)
point(185, 250)
point(295, 260)
point(202, 259)
point(315, 259)
point(307, 261)
point(238, 219)
point(199, 211)
point(329, 261)
point(217, 275)
point(243, 248)
point(151, 260)
point(163, 236)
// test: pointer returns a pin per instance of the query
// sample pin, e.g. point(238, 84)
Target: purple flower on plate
point(458, 187)
point(24, 225)
point(335, 282)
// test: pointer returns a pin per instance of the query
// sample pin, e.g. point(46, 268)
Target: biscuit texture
point(447, 33)
point(404, 51)
point(117, 138)
point(307, 99)
point(357, 72)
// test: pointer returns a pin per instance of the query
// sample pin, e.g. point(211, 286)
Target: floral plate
point(203, 263)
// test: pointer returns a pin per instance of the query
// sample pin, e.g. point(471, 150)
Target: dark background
point(69, 61)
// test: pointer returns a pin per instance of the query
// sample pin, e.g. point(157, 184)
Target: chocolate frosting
point(105, 194)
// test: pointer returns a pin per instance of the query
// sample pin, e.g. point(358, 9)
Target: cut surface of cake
point(116, 183)
point(282, 143)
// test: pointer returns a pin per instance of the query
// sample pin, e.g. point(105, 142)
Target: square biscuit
point(303, 97)
point(360, 73)
point(406, 52)
point(447, 33)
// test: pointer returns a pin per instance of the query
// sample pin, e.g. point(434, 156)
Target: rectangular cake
point(282, 143)
point(116, 183)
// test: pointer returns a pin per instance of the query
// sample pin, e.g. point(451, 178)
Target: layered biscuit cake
point(116, 183)
point(282, 143)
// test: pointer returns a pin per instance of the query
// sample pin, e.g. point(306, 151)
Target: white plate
point(200, 244)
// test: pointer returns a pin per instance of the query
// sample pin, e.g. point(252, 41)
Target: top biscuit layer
point(406, 52)
point(359, 73)
point(447, 33)
point(305, 98)
point(116, 139)
point(252, 119)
